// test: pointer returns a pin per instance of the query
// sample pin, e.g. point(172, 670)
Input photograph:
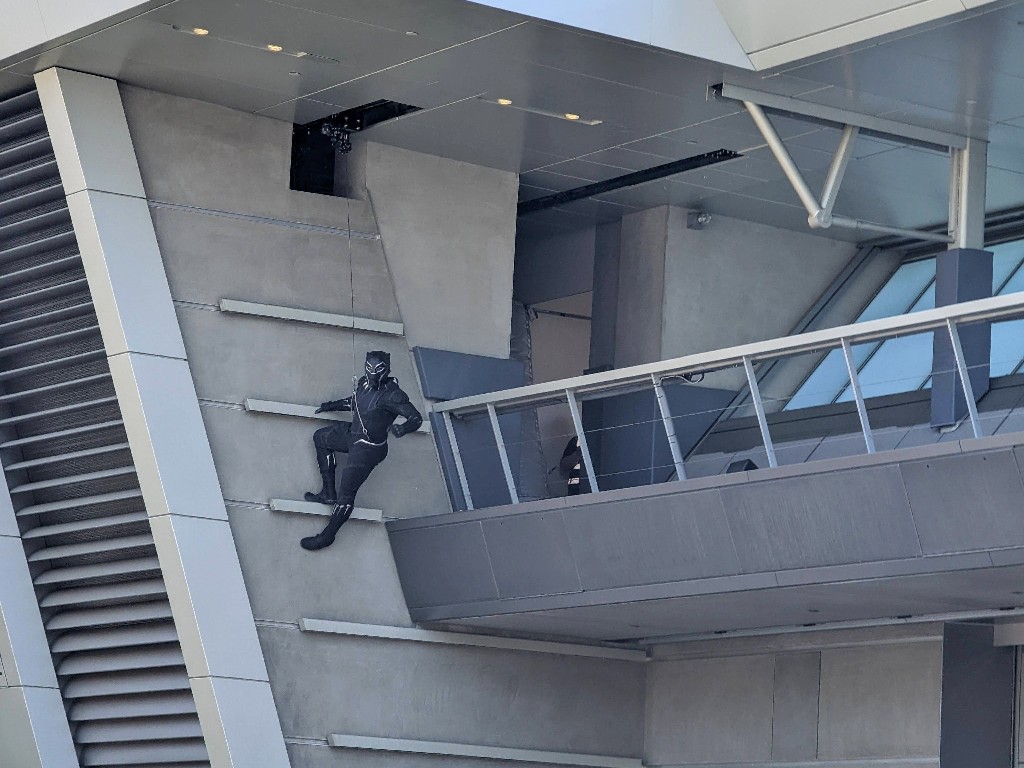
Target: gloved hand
point(323, 407)
point(397, 430)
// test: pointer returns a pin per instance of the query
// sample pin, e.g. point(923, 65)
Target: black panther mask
point(378, 368)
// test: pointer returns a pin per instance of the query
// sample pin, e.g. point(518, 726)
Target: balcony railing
point(572, 391)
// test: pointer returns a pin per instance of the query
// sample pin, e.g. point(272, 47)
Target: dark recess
point(313, 150)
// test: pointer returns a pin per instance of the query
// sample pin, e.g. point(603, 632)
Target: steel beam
point(460, 470)
point(670, 428)
point(858, 396)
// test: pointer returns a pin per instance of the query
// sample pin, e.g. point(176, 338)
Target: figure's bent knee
point(320, 437)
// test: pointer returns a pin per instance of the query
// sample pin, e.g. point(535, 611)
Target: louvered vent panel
point(65, 455)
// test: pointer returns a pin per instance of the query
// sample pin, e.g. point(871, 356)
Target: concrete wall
point(870, 697)
point(641, 289)
point(448, 230)
point(230, 168)
point(737, 281)
point(561, 348)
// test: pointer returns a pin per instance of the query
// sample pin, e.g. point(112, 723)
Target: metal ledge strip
point(308, 412)
point(449, 749)
point(466, 638)
point(312, 508)
point(313, 317)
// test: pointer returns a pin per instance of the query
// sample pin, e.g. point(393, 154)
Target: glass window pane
point(899, 365)
point(895, 298)
point(1007, 347)
point(1005, 260)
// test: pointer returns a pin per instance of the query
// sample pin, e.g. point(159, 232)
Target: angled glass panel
point(898, 365)
point(896, 297)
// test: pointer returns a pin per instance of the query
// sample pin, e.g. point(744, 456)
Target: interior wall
point(229, 227)
point(816, 699)
point(561, 349)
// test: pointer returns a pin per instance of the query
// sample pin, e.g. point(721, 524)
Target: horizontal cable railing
point(651, 376)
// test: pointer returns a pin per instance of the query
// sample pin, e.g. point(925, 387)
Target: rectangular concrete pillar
point(961, 274)
point(158, 402)
point(977, 699)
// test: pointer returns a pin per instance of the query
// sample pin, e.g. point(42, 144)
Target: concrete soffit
point(160, 409)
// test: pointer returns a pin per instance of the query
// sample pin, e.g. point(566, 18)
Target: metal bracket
point(965, 153)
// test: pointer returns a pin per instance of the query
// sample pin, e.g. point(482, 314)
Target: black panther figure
point(376, 402)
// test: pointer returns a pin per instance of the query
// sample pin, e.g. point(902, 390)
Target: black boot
point(328, 494)
point(325, 538)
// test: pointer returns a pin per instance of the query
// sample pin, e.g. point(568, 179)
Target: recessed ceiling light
point(200, 31)
point(571, 116)
point(505, 102)
point(275, 48)
point(294, 74)
point(411, 33)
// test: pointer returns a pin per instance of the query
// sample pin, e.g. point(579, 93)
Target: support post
point(670, 429)
point(762, 420)
point(965, 377)
point(574, 409)
point(503, 454)
point(858, 396)
point(460, 470)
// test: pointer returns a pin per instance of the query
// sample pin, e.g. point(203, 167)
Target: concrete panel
point(651, 540)
point(641, 287)
point(420, 202)
point(233, 357)
point(531, 555)
point(126, 276)
point(966, 502)
point(34, 729)
point(880, 702)
point(23, 649)
point(244, 718)
point(795, 706)
point(464, 574)
point(708, 270)
point(165, 430)
point(203, 155)
point(709, 711)
point(208, 598)
point(89, 133)
point(212, 257)
point(821, 519)
point(260, 457)
point(354, 580)
point(461, 694)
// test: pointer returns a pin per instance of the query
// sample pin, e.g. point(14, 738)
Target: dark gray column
point(962, 274)
point(605, 301)
point(977, 699)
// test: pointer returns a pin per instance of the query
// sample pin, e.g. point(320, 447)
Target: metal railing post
point(459, 469)
point(670, 428)
point(574, 408)
point(965, 377)
point(503, 454)
point(858, 397)
point(755, 395)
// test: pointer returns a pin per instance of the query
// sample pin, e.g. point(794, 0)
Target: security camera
point(697, 219)
point(339, 137)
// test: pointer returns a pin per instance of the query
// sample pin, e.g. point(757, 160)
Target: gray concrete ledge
point(309, 316)
point(449, 749)
point(290, 223)
point(307, 412)
point(464, 638)
point(312, 508)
